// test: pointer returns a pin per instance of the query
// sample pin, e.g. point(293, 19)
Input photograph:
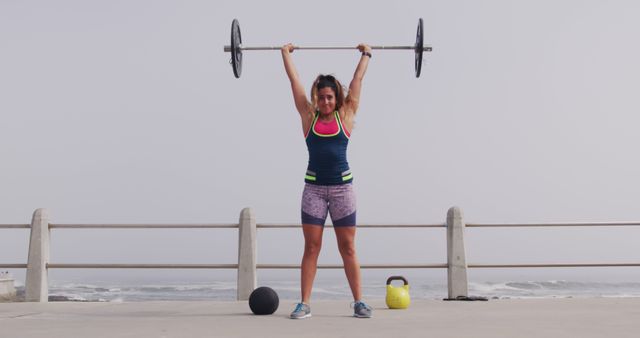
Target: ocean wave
point(226, 290)
point(555, 289)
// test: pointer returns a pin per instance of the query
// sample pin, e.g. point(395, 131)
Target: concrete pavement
point(568, 317)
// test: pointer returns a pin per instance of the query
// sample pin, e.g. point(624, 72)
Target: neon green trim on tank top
point(340, 126)
point(310, 178)
point(348, 177)
point(337, 117)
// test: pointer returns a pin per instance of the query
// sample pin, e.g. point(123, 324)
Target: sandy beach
point(566, 317)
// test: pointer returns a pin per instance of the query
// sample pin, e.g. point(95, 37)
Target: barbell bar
point(236, 48)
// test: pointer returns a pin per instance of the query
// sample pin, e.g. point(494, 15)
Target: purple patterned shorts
point(338, 200)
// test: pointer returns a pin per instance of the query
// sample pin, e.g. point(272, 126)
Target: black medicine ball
point(263, 301)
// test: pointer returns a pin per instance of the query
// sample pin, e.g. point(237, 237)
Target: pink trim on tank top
point(326, 128)
point(346, 132)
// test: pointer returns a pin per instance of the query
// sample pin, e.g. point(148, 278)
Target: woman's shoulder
point(347, 111)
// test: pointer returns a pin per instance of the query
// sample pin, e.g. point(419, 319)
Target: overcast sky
point(128, 112)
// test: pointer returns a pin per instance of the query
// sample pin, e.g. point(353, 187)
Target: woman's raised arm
point(352, 100)
point(299, 97)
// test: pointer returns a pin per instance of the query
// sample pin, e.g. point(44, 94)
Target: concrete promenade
point(568, 317)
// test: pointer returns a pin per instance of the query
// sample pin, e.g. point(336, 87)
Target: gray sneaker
point(362, 310)
point(301, 311)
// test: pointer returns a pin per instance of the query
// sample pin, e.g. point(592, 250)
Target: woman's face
point(326, 101)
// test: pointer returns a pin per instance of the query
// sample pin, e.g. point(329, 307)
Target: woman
point(327, 120)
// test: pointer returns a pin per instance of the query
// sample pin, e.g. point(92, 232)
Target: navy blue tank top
point(328, 155)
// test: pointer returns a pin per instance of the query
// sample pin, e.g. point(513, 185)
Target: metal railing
point(552, 225)
point(36, 284)
point(362, 266)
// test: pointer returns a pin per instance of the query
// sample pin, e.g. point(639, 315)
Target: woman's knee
point(347, 248)
point(312, 247)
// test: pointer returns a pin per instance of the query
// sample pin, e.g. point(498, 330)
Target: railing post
point(247, 254)
point(456, 259)
point(37, 284)
point(7, 289)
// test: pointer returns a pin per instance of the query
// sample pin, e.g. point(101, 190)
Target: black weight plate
point(419, 48)
point(236, 52)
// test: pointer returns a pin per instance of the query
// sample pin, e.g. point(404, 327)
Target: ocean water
point(327, 290)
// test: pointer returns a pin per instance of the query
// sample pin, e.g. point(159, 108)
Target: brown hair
point(323, 81)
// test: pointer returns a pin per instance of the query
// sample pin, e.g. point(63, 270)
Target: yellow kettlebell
point(398, 297)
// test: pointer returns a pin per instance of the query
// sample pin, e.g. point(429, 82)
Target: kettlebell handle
point(392, 278)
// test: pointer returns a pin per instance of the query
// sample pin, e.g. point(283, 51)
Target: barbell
point(236, 48)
